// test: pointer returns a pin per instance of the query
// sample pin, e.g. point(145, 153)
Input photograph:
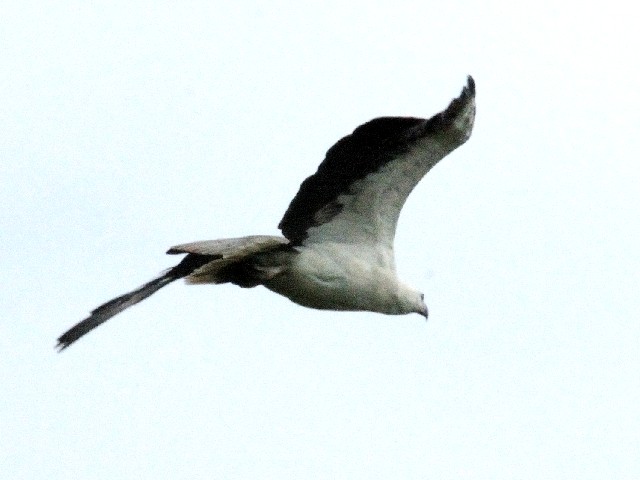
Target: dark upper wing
point(359, 189)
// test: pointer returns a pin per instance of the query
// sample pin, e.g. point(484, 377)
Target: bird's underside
point(337, 249)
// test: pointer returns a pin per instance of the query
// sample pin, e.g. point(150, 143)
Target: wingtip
point(471, 85)
point(469, 90)
point(64, 341)
point(461, 111)
point(71, 336)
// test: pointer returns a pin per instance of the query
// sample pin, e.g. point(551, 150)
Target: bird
point(336, 249)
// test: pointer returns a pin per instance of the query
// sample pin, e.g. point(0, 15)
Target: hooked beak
point(425, 312)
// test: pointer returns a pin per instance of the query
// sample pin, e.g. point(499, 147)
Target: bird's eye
point(422, 297)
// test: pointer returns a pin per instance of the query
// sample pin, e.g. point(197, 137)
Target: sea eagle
point(336, 252)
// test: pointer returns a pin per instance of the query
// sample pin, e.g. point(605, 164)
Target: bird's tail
point(245, 261)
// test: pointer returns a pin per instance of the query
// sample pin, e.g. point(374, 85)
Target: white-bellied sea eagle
point(336, 252)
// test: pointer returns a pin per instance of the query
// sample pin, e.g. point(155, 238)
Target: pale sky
point(129, 127)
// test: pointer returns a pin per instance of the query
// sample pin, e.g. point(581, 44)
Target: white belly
point(332, 278)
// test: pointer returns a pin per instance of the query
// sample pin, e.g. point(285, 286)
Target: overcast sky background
point(129, 127)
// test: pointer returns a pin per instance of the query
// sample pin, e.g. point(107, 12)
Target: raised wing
point(357, 193)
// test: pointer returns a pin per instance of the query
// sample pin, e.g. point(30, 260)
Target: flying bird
point(336, 252)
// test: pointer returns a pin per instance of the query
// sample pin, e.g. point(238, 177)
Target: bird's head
point(411, 301)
